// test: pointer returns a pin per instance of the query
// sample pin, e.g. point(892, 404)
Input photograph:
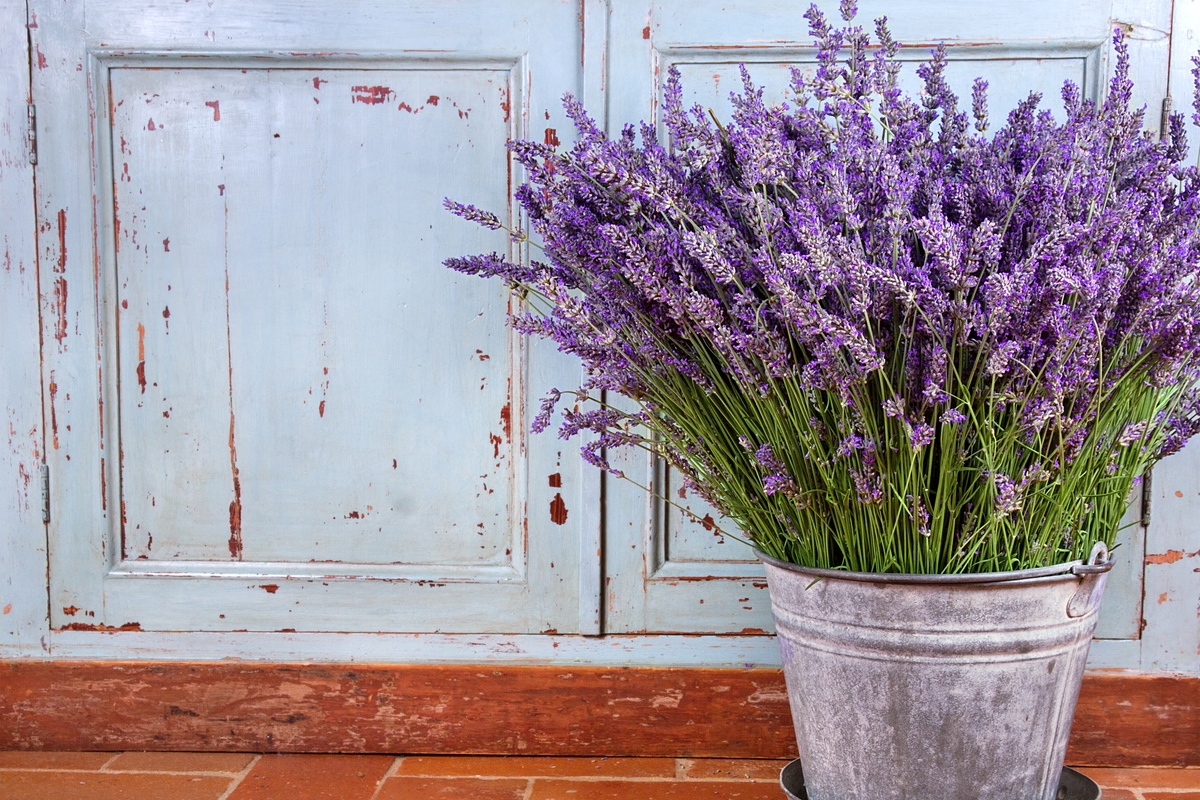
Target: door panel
point(670, 570)
point(275, 409)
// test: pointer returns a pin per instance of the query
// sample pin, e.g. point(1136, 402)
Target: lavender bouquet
point(873, 338)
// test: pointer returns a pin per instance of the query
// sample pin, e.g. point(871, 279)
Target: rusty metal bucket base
point(1071, 786)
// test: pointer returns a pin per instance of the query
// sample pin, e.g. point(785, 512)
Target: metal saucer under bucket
point(1071, 786)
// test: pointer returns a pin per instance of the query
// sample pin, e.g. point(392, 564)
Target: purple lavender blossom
point(862, 268)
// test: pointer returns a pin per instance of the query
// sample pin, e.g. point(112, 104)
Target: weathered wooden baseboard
point(1123, 719)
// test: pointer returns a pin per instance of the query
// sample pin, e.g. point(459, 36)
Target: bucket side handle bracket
point(1087, 597)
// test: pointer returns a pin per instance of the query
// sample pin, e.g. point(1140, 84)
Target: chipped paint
point(556, 480)
point(235, 505)
point(1169, 557)
point(215, 105)
point(53, 412)
point(506, 419)
point(83, 626)
point(270, 588)
point(551, 137)
point(60, 310)
point(371, 95)
point(61, 265)
point(558, 510)
point(141, 367)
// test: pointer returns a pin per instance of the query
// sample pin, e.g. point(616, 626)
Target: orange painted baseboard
point(1123, 719)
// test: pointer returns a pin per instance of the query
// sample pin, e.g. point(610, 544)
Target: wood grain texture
point(1123, 719)
point(1131, 720)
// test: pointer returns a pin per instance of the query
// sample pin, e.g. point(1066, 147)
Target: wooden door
point(269, 406)
point(668, 572)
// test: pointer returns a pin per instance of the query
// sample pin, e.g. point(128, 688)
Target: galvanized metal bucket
point(931, 687)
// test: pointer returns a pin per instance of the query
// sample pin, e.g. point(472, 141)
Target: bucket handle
point(1098, 562)
point(1087, 597)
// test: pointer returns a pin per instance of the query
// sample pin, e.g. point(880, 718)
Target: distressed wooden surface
point(22, 535)
point(625, 46)
point(1137, 720)
point(1123, 720)
point(279, 411)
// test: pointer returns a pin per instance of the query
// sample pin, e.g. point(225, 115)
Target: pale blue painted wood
point(309, 423)
point(1171, 639)
point(23, 619)
point(614, 54)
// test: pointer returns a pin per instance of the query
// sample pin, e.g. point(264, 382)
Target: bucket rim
point(1068, 569)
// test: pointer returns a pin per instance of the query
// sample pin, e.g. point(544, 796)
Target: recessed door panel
point(276, 409)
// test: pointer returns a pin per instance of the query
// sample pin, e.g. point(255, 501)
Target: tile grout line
point(103, 766)
point(390, 773)
point(237, 780)
point(528, 789)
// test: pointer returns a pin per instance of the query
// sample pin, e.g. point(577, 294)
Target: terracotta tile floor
point(234, 776)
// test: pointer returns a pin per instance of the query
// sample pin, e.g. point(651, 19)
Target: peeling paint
point(141, 367)
point(551, 137)
point(270, 588)
point(83, 626)
point(235, 505)
point(556, 480)
point(1170, 557)
point(60, 310)
point(215, 105)
point(53, 412)
point(506, 419)
point(371, 95)
point(558, 510)
point(61, 266)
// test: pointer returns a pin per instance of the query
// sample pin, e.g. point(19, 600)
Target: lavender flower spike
point(874, 338)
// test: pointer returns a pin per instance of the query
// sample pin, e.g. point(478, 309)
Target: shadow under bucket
point(1072, 785)
point(933, 687)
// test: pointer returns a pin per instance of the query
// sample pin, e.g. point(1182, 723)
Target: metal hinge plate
point(32, 134)
point(45, 493)
point(1146, 498)
point(1164, 121)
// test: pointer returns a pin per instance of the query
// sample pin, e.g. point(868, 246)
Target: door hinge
point(32, 134)
point(1146, 497)
point(45, 493)
point(1164, 120)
